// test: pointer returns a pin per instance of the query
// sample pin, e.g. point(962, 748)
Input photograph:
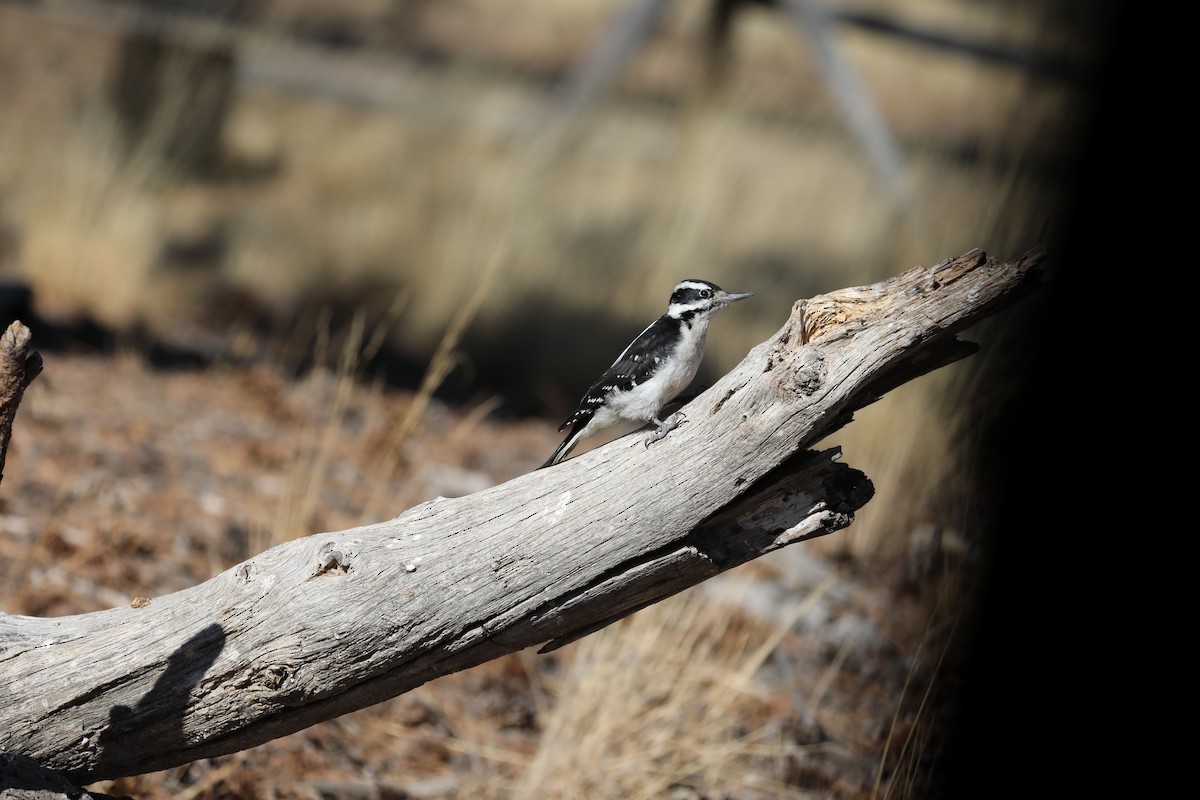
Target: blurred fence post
point(173, 97)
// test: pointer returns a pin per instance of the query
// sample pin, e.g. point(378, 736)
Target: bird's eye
point(706, 293)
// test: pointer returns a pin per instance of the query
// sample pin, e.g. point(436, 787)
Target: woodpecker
point(652, 370)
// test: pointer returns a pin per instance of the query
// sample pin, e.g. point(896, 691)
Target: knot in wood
point(333, 559)
point(274, 676)
point(803, 373)
point(809, 373)
point(247, 572)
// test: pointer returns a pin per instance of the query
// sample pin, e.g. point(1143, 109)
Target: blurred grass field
point(324, 205)
point(380, 180)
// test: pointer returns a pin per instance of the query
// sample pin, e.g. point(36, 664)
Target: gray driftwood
point(333, 622)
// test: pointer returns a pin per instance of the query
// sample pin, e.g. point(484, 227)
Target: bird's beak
point(730, 297)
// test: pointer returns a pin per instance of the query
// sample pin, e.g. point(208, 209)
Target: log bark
point(18, 367)
point(333, 622)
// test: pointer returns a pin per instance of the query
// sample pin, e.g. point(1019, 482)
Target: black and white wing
point(634, 366)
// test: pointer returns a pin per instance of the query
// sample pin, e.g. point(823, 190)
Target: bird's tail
point(564, 449)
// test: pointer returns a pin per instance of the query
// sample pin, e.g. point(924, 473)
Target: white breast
point(645, 400)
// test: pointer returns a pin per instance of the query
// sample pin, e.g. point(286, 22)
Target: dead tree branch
point(18, 368)
point(323, 625)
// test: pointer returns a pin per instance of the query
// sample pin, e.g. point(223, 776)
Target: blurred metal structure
point(816, 23)
point(637, 24)
point(218, 37)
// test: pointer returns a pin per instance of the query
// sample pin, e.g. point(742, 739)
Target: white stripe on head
point(691, 294)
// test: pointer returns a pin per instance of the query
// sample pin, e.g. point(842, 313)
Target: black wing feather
point(635, 365)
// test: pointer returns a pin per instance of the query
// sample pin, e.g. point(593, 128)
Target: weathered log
point(333, 622)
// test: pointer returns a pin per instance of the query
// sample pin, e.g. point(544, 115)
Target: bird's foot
point(666, 426)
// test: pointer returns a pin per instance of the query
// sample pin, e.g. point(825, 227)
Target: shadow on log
point(333, 622)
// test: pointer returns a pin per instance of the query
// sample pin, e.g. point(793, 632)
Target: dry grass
point(912, 494)
point(90, 220)
point(449, 237)
point(666, 700)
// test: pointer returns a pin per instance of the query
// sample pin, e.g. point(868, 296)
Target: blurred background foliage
point(221, 178)
point(255, 160)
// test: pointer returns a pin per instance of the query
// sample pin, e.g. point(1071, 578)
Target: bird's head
point(695, 296)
